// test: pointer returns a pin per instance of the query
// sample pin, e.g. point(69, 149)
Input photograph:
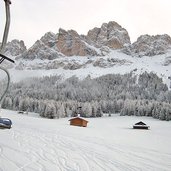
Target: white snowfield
point(138, 65)
point(107, 144)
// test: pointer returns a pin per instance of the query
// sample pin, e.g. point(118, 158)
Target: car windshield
point(5, 120)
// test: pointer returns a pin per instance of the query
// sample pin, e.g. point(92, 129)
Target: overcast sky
point(31, 19)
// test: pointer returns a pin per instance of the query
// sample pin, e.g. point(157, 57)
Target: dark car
point(5, 123)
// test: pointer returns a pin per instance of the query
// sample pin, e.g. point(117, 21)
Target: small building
point(140, 125)
point(78, 121)
point(22, 112)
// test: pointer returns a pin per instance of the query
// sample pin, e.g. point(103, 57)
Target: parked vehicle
point(5, 123)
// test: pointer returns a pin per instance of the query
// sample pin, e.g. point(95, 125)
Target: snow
point(108, 143)
point(142, 64)
point(136, 64)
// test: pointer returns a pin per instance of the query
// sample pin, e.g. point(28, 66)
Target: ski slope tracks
point(107, 144)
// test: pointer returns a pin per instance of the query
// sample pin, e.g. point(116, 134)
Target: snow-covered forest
point(126, 94)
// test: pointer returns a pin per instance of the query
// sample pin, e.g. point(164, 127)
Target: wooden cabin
point(78, 121)
point(140, 125)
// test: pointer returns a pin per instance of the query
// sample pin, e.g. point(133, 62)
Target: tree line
point(53, 97)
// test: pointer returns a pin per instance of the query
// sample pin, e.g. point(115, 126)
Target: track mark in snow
point(60, 149)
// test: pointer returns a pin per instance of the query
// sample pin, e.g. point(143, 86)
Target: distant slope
point(114, 62)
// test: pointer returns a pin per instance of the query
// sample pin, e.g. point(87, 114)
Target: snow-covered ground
point(107, 144)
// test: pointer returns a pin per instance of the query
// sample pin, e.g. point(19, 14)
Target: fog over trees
point(126, 94)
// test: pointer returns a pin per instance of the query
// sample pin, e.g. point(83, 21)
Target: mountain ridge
point(67, 53)
point(97, 42)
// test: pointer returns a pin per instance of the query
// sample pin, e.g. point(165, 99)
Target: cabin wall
point(84, 124)
point(78, 122)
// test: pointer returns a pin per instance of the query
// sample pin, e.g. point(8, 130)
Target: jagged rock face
point(98, 42)
point(43, 49)
point(150, 45)
point(15, 48)
point(110, 34)
point(70, 43)
point(104, 63)
point(49, 39)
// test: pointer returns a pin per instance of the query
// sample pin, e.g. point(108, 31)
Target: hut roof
point(140, 123)
point(78, 118)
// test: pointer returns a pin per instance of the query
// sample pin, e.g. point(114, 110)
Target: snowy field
point(107, 144)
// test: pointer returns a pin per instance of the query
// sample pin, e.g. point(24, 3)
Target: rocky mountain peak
point(15, 48)
point(49, 39)
point(45, 48)
point(110, 34)
point(147, 45)
point(97, 42)
point(70, 43)
point(71, 32)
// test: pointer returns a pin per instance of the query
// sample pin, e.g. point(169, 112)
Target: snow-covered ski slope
point(107, 144)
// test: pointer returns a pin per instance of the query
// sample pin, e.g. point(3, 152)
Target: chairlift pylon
point(3, 45)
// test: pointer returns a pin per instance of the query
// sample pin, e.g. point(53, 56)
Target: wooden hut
point(78, 121)
point(140, 125)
